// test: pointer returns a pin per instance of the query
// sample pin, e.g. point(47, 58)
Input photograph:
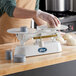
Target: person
point(18, 13)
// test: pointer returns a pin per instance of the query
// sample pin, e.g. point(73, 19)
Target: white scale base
point(34, 49)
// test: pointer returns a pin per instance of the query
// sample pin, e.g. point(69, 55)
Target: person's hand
point(52, 20)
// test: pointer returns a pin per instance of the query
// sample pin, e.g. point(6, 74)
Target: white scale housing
point(33, 50)
point(40, 47)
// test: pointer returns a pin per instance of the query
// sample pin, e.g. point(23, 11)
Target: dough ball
point(61, 40)
point(67, 36)
point(71, 42)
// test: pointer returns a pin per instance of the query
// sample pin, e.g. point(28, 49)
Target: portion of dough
point(67, 36)
point(61, 40)
point(71, 42)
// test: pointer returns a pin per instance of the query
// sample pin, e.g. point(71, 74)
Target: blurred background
point(65, 10)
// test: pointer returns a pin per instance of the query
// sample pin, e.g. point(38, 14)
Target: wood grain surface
point(8, 67)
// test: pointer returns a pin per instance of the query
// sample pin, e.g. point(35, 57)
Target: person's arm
point(39, 21)
point(10, 8)
point(24, 13)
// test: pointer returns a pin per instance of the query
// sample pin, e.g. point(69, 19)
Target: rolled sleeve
point(8, 6)
point(2, 3)
point(37, 4)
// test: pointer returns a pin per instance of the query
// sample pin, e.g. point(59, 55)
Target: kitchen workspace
point(37, 37)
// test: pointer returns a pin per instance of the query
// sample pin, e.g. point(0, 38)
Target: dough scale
point(40, 46)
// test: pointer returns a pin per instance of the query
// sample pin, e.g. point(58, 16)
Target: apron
point(7, 22)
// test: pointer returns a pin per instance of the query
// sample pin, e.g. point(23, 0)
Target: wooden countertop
point(7, 67)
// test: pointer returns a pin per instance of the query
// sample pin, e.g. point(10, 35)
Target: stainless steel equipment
point(65, 10)
point(58, 5)
point(74, 5)
point(69, 21)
